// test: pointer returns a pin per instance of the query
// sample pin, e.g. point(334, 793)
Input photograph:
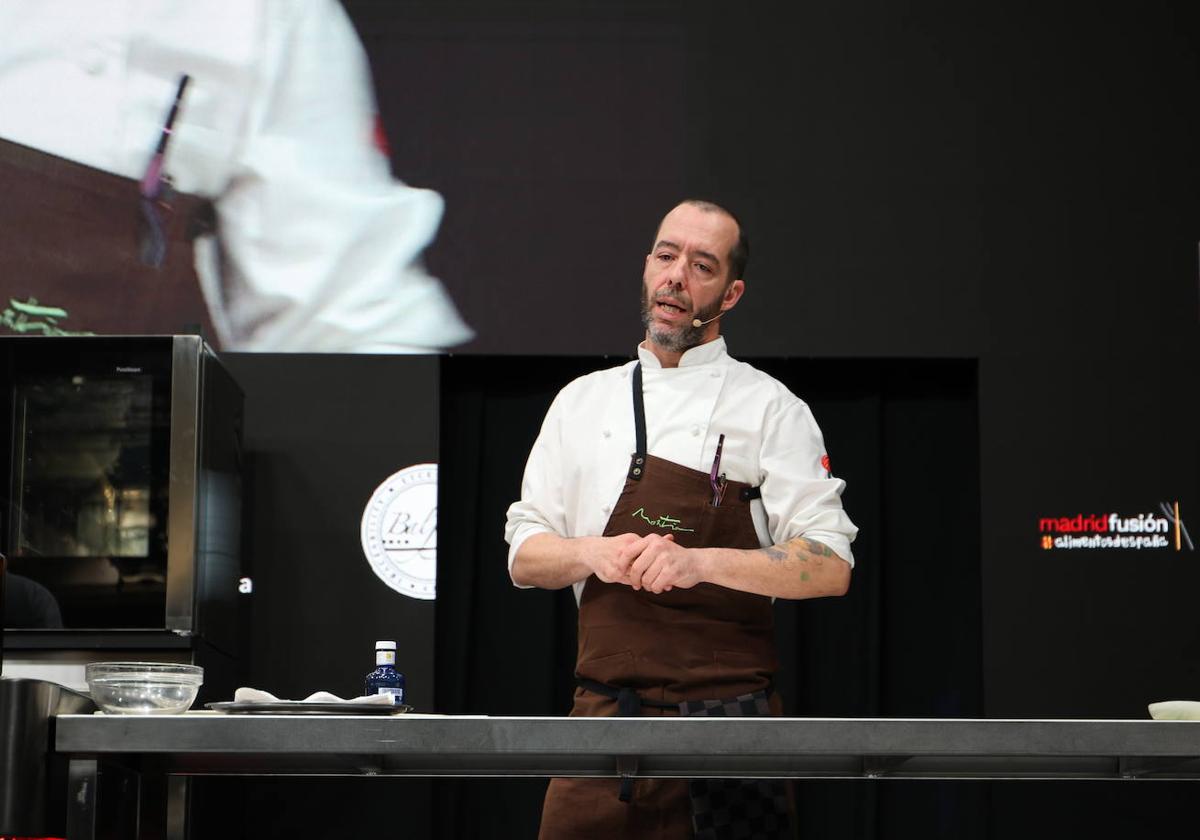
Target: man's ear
point(733, 293)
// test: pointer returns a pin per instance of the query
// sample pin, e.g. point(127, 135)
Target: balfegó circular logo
point(399, 531)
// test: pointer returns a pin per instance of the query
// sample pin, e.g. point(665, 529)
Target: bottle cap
point(385, 646)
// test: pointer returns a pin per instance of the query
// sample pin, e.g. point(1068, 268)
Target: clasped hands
point(654, 562)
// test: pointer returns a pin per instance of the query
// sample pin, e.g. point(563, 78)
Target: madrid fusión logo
point(1161, 529)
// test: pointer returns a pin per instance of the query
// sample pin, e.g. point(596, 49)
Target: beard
point(680, 338)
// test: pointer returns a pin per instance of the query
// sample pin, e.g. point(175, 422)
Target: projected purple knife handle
point(151, 183)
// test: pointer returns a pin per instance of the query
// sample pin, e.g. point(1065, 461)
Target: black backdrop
point(1011, 185)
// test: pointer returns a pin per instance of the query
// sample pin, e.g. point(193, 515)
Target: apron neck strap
point(639, 411)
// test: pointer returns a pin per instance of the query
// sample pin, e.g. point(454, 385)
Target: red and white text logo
point(1161, 529)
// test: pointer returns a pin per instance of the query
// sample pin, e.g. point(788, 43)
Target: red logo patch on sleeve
point(379, 137)
point(825, 464)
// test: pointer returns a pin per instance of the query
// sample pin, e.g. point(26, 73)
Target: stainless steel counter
point(798, 748)
point(682, 747)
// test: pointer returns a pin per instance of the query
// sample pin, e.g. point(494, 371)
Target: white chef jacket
point(318, 243)
point(579, 463)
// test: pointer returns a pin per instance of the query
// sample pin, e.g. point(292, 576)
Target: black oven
point(121, 481)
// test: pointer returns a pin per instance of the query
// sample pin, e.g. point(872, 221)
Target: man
point(676, 551)
point(284, 229)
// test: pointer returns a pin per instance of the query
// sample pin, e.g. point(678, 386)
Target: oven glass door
point(87, 519)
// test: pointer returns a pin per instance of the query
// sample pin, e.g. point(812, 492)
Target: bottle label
point(397, 694)
point(385, 657)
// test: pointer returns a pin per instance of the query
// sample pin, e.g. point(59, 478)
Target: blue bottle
point(385, 679)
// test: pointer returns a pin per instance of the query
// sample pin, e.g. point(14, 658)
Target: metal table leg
point(177, 807)
point(82, 781)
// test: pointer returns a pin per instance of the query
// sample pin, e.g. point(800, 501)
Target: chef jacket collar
point(710, 352)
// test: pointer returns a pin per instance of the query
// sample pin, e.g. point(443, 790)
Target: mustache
point(679, 300)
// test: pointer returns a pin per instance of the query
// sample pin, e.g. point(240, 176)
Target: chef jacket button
point(606, 509)
point(607, 433)
point(695, 430)
point(715, 374)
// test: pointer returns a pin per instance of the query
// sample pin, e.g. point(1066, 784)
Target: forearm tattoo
point(803, 550)
point(777, 554)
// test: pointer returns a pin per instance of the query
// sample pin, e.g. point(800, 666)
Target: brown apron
point(656, 652)
point(77, 247)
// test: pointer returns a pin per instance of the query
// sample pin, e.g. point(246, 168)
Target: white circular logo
point(399, 531)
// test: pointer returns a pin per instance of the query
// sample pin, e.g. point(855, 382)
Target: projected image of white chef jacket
point(319, 245)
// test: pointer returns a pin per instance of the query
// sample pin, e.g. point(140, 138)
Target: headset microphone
point(696, 322)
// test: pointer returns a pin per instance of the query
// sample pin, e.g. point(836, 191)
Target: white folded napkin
point(255, 695)
point(1175, 710)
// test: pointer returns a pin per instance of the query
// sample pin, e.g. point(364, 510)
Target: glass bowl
point(143, 688)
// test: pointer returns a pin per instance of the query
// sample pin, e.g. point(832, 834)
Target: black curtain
point(904, 642)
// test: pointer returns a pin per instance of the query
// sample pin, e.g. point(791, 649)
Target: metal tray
point(302, 707)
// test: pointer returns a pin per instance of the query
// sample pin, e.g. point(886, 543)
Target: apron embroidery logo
point(661, 522)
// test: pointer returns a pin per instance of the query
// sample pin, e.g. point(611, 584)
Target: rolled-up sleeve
point(799, 495)
point(542, 506)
